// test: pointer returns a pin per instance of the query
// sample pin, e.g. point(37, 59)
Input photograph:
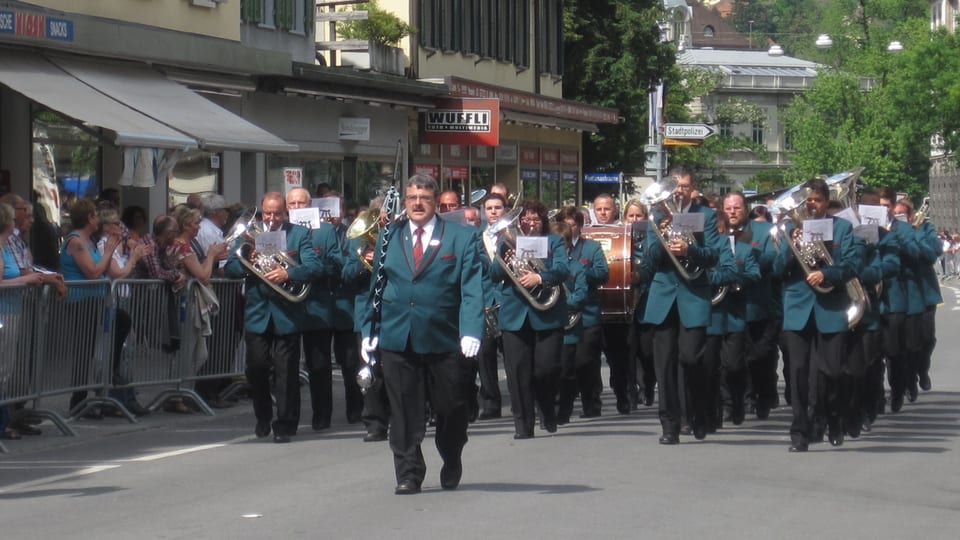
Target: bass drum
point(616, 297)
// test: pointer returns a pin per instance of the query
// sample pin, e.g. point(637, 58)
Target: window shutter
point(251, 11)
point(284, 14)
point(309, 16)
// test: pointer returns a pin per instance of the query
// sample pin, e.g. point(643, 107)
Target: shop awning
point(36, 78)
point(149, 92)
point(546, 121)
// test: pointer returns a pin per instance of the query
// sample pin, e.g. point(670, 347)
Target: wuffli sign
point(462, 121)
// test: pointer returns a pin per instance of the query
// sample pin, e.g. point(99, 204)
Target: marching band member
point(273, 324)
point(815, 324)
point(428, 281)
point(585, 256)
point(930, 250)
point(680, 310)
point(614, 340)
point(726, 341)
point(762, 315)
point(894, 300)
point(576, 286)
point(641, 334)
point(494, 207)
point(317, 329)
point(532, 339)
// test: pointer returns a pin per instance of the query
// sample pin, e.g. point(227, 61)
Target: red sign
point(429, 170)
point(462, 121)
point(530, 155)
point(455, 172)
point(551, 156)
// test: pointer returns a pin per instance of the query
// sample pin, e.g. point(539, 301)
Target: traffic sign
point(687, 131)
point(682, 142)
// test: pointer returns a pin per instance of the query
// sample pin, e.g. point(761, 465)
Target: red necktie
point(417, 247)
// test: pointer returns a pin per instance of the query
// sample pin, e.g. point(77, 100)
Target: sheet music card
point(329, 207)
point(688, 223)
point(849, 215)
point(818, 230)
point(532, 246)
point(869, 232)
point(271, 241)
point(306, 217)
point(873, 214)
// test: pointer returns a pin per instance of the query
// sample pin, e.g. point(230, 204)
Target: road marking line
point(58, 478)
point(184, 451)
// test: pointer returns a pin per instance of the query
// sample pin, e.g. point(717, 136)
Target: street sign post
point(687, 131)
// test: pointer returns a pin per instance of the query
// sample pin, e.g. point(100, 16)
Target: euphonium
point(540, 297)
point(660, 197)
point(920, 216)
point(261, 263)
point(366, 226)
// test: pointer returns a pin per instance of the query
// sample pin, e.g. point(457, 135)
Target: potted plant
point(382, 30)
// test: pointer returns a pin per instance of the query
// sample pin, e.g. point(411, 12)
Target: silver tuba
point(540, 298)
point(261, 263)
point(920, 216)
point(660, 196)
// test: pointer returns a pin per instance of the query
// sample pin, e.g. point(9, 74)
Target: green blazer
point(515, 309)
point(760, 302)
point(429, 308)
point(730, 314)
point(930, 250)
point(893, 297)
point(588, 255)
point(321, 303)
point(669, 287)
point(800, 300)
point(265, 308)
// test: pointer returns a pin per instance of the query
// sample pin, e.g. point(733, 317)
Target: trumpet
point(540, 297)
point(660, 196)
point(260, 263)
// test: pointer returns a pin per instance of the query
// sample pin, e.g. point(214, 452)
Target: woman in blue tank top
point(79, 258)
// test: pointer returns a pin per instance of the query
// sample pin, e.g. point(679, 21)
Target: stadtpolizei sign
point(466, 121)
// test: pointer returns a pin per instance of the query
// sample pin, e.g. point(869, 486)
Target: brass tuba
point(261, 263)
point(366, 226)
point(660, 196)
point(540, 298)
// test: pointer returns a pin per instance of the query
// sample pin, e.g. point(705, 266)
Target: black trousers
point(641, 354)
point(674, 346)
point(489, 376)
point(897, 332)
point(761, 350)
point(316, 355)
point(274, 354)
point(347, 353)
point(532, 360)
point(616, 349)
point(587, 365)
point(928, 339)
point(733, 370)
point(376, 404)
point(412, 380)
point(819, 358)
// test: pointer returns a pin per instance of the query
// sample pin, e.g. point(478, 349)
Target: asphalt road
point(173, 476)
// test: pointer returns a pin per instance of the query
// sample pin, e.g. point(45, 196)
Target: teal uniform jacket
point(669, 287)
point(761, 303)
point(265, 309)
point(641, 271)
point(913, 260)
point(588, 255)
point(871, 275)
point(579, 289)
point(431, 307)
point(355, 282)
point(893, 298)
point(730, 314)
point(515, 310)
point(800, 300)
point(930, 250)
point(321, 303)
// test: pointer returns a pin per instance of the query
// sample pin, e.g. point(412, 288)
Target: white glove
point(469, 346)
point(367, 347)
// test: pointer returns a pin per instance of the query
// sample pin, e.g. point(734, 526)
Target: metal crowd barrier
point(51, 346)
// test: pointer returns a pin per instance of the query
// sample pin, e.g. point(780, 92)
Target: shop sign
point(456, 172)
point(602, 178)
point(462, 121)
point(35, 26)
point(292, 178)
point(354, 129)
point(430, 170)
point(569, 158)
point(551, 156)
point(507, 153)
point(550, 176)
point(569, 176)
point(529, 174)
point(530, 155)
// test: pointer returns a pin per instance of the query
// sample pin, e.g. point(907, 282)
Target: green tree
point(380, 26)
point(612, 57)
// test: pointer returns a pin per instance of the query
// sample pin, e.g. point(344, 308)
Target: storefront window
point(317, 170)
point(196, 172)
point(66, 163)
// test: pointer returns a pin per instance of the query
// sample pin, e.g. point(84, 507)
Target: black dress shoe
point(354, 418)
point(375, 436)
point(521, 436)
point(836, 437)
point(281, 438)
point(563, 420)
point(623, 406)
point(896, 403)
point(407, 487)
point(798, 447)
point(450, 475)
point(925, 384)
point(590, 414)
point(685, 429)
point(320, 425)
point(699, 431)
point(648, 399)
point(669, 439)
point(262, 429)
point(763, 410)
point(912, 391)
point(550, 426)
point(489, 415)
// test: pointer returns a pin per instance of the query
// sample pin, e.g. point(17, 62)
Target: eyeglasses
point(418, 198)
